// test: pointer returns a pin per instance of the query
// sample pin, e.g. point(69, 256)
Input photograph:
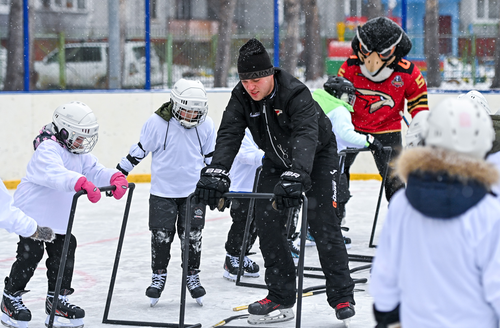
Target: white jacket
point(443, 270)
point(246, 162)
point(13, 219)
point(47, 190)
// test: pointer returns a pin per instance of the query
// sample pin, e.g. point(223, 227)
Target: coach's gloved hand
point(373, 143)
point(214, 181)
point(387, 319)
point(93, 193)
point(118, 179)
point(288, 191)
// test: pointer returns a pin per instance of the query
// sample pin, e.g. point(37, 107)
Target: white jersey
point(344, 130)
point(13, 219)
point(246, 162)
point(452, 280)
point(178, 154)
point(47, 190)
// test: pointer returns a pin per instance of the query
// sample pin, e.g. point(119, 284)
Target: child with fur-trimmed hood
point(438, 258)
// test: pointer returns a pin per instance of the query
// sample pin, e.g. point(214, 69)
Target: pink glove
point(118, 179)
point(93, 193)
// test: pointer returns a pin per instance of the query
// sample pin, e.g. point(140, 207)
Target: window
point(487, 9)
point(184, 9)
point(65, 5)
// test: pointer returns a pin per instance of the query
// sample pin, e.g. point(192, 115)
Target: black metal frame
point(342, 155)
point(181, 323)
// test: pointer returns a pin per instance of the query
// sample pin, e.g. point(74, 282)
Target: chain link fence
point(71, 39)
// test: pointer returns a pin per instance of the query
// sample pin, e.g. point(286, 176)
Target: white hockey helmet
point(190, 103)
point(460, 125)
point(477, 97)
point(76, 125)
point(414, 135)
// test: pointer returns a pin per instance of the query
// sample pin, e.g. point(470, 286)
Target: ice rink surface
point(97, 228)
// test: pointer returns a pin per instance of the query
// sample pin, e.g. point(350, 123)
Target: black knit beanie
point(254, 61)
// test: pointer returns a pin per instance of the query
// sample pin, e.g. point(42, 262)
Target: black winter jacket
point(288, 125)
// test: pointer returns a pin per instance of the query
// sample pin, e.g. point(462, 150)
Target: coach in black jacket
point(300, 156)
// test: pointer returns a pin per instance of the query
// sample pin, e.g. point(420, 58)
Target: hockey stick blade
point(227, 320)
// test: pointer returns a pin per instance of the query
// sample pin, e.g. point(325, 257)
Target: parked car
point(87, 66)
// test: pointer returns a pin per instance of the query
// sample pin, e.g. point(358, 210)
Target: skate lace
point(158, 280)
point(248, 263)
point(264, 301)
point(193, 281)
point(235, 261)
point(64, 301)
point(17, 302)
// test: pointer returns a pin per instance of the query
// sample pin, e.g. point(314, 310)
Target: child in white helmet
point(438, 256)
point(60, 166)
point(181, 137)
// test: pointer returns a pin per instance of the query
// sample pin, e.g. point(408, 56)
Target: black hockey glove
point(387, 319)
point(213, 183)
point(373, 143)
point(288, 191)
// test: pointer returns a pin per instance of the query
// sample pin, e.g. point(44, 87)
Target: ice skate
point(267, 311)
point(309, 240)
point(195, 288)
point(347, 242)
point(67, 315)
point(345, 311)
point(156, 288)
point(231, 265)
point(294, 251)
point(14, 313)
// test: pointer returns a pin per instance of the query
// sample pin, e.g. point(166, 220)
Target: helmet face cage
point(190, 103)
point(190, 113)
point(80, 135)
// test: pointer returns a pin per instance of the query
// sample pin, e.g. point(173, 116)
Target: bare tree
point(15, 70)
point(225, 16)
point(374, 9)
point(432, 43)
point(312, 51)
point(496, 80)
point(292, 16)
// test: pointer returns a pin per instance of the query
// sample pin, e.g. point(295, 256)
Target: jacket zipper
point(271, 138)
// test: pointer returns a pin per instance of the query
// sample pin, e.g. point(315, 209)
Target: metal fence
point(71, 40)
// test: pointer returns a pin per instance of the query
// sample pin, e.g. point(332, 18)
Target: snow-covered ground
point(97, 228)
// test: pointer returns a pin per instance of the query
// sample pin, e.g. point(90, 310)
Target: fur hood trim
point(434, 160)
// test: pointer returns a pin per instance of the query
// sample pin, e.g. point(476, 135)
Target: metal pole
point(26, 59)
point(114, 57)
point(404, 14)
point(147, 39)
point(276, 34)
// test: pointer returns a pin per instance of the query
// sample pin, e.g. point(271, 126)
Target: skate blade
point(229, 276)
point(272, 317)
point(199, 300)
point(153, 301)
point(9, 322)
point(251, 275)
point(60, 322)
point(347, 323)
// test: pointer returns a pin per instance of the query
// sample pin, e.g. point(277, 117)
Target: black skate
point(294, 251)
point(195, 288)
point(267, 311)
point(14, 313)
point(67, 315)
point(231, 264)
point(347, 242)
point(157, 285)
point(344, 311)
